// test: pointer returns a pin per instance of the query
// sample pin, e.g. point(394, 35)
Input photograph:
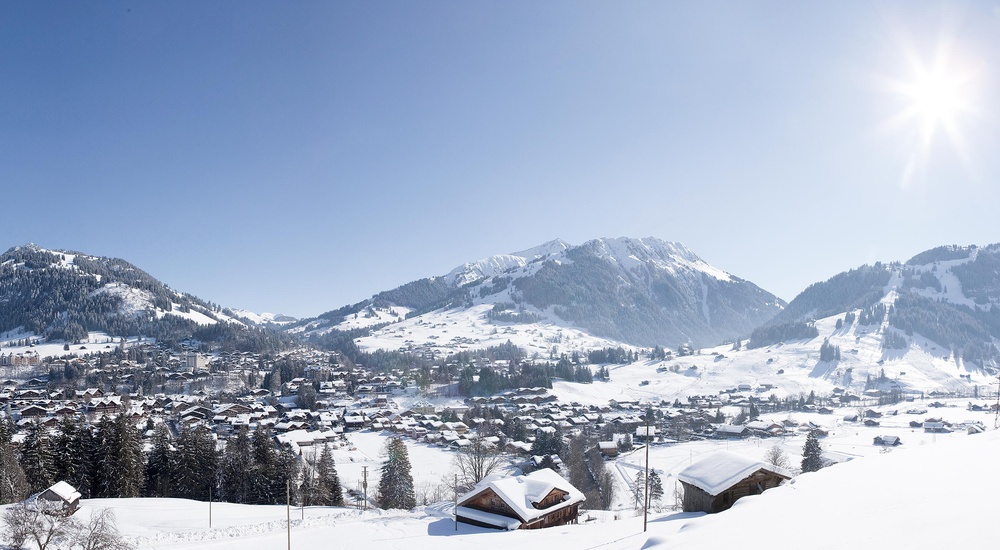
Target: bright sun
point(936, 98)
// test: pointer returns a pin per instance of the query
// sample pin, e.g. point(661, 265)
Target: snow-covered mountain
point(638, 291)
point(63, 295)
point(945, 297)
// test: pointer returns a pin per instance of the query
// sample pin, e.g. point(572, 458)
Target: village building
point(714, 483)
point(887, 440)
point(534, 501)
point(61, 496)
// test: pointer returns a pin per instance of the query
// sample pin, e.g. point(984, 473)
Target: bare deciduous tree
point(41, 522)
point(776, 457)
point(44, 524)
point(101, 532)
point(476, 461)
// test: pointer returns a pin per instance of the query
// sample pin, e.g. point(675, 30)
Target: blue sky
point(298, 156)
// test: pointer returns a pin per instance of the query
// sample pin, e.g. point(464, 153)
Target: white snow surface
point(450, 331)
point(870, 502)
point(264, 318)
point(135, 301)
point(668, 256)
point(501, 263)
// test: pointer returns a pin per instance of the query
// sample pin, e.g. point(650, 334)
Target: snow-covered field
point(791, 369)
point(450, 331)
point(932, 492)
point(95, 342)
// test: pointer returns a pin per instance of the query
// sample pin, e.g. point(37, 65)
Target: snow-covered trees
point(122, 467)
point(158, 465)
point(655, 489)
point(36, 458)
point(236, 464)
point(195, 463)
point(812, 454)
point(828, 351)
point(588, 472)
point(269, 471)
point(13, 486)
point(395, 486)
point(329, 481)
point(320, 483)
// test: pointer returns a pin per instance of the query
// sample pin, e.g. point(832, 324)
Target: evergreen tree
point(36, 458)
point(640, 490)
point(158, 472)
point(120, 471)
point(87, 444)
point(130, 457)
point(288, 470)
point(395, 486)
point(262, 476)
point(812, 454)
point(194, 465)
point(655, 486)
point(71, 454)
point(329, 481)
point(13, 485)
point(310, 492)
point(236, 464)
point(106, 445)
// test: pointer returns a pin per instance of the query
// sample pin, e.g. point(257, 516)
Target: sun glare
point(936, 97)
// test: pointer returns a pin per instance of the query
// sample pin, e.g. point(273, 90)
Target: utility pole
point(996, 421)
point(209, 506)
point(288, 511)
point(456, 502)
point(645, 496)
point(364, 486)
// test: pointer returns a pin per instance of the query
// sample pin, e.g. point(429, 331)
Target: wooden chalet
point(608, 448)
point(887, 440)
point(714, 483)
point(34, 411)
point(534, 501)
point(61, 496)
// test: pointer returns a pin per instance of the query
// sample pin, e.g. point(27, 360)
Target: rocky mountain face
point(639, 291)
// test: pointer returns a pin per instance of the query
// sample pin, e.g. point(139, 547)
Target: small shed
point(63, 496)
point(608, 448)
point(887, 440)
point(714, 483)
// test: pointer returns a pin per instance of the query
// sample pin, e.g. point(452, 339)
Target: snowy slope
point(791, 368)
point(869, 502)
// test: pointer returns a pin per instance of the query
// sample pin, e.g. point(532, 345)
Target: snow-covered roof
point(496, 520)
point(520, 492)
point(65, 491)
point(723, 469)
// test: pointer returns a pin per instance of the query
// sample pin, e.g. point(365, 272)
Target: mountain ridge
point(641, 291)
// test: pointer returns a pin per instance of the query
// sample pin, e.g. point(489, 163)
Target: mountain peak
point(554, 246)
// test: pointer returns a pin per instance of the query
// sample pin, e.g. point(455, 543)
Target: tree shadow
point(678, 516)
point(823, 369)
